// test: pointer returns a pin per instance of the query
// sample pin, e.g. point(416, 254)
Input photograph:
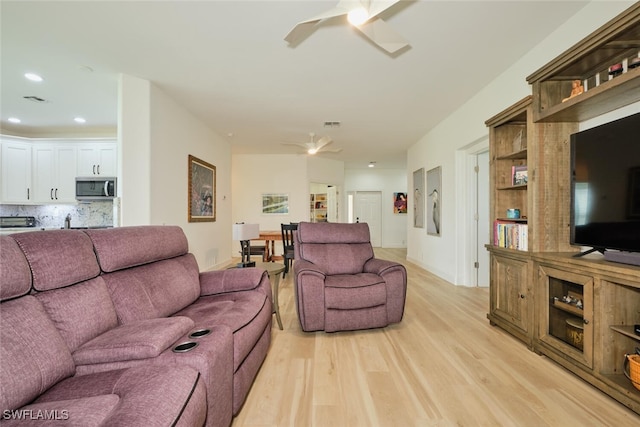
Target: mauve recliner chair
point(339, 284)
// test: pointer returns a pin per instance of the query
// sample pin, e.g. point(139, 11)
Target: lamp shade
point(244, 231)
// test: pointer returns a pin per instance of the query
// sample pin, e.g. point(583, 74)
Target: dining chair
point(287, 245)
point(259, 248)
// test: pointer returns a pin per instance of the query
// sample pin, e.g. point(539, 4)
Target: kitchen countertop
point(12, 230)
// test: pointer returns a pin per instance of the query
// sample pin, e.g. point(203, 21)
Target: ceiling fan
point(363, 15)
point(312, 147)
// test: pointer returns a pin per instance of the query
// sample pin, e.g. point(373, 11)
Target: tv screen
point(605, 186)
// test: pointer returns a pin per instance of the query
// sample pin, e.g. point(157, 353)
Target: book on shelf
point(510, 234)
point(519, 175)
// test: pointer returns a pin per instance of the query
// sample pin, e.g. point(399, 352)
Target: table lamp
point(244, 233)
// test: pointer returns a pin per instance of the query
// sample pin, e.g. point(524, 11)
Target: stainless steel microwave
point(95, 188)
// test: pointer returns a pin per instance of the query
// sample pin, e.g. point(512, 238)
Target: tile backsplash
point(90, 214)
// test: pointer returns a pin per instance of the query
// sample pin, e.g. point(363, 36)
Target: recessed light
point(372, 164)
point(33, 77)
point(80, 120)
point(14, 120)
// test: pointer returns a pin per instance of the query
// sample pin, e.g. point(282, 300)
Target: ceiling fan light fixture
point(312, 151)
point(358, 16)
point(33, 77)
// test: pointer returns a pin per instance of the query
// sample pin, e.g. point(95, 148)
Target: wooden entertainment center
point(579, 312)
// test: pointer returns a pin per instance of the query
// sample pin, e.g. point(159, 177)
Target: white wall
point(253, 175)
point(441, 145)
point(156, 138)
point(388, 181)
point(134, 150)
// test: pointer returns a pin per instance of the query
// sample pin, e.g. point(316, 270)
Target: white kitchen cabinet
point(16, 172)
point(97, 159)
point(54, 173)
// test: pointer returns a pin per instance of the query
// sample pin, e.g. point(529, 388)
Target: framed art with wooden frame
point(201, 191)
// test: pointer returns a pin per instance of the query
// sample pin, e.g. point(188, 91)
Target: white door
point(368, 208)
point(483, 226)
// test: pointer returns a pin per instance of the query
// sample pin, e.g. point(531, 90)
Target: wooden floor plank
point(443, 365)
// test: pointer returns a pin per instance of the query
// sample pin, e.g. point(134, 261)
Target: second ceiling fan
point(313, 147)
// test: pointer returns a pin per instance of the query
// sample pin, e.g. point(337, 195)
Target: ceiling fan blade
point(297, 144)
point(383, 35)
point(376, 7)
point(304, 28)
point(324, 141)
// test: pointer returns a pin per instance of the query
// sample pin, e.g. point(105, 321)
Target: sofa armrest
point(138, 340)
point(230, 280)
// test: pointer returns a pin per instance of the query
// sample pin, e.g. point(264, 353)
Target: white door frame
point(467, 230)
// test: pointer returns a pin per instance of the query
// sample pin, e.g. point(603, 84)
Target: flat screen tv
point(605, 186)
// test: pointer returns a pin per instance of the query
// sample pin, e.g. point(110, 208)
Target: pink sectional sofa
point(119, 327)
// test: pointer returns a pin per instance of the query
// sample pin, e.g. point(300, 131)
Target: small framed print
point(277, 204)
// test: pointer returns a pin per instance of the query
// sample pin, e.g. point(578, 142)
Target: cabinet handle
point(522, 296)
point(98, 169)
point(28, 195)
point(56, 194)
point(51, 194)
point(94, 169)
point(585, 321)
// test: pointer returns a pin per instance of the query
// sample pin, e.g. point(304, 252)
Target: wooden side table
point(274, 270)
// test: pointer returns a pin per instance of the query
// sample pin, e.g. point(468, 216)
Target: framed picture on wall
point(434, 201)
point(399, 203)
point(418, 198)
point(275, 203)
point(201, 191)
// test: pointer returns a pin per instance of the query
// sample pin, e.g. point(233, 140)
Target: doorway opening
point(366, 206)
point(323, 203)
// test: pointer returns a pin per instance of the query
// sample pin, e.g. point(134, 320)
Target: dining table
point(270, 237)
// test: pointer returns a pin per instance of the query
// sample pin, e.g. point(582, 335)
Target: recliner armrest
point(230, 280)
point(380, 266)
point(304, 266)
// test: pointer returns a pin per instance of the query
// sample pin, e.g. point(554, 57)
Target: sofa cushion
point(348, 292)
point(140, 340)
point(124, 247)
point(80, 312)
point(87, 411)
point(147, 395)
point(58, 258)
point(240, 312)
point(154, 290)
point(33, 354)
point(15, 275)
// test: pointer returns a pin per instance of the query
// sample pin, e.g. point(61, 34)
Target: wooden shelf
point(625, 330)
point(572, 309)
point(522, 154)
point(518, 220)
point(622, 90)
point(513, 187)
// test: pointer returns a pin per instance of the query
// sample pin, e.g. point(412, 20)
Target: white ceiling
point(227, 62)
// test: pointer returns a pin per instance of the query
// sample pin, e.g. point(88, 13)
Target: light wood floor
point(443, 365)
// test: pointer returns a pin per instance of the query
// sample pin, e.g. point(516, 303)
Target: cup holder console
point(185, 346)
point(199, 333)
